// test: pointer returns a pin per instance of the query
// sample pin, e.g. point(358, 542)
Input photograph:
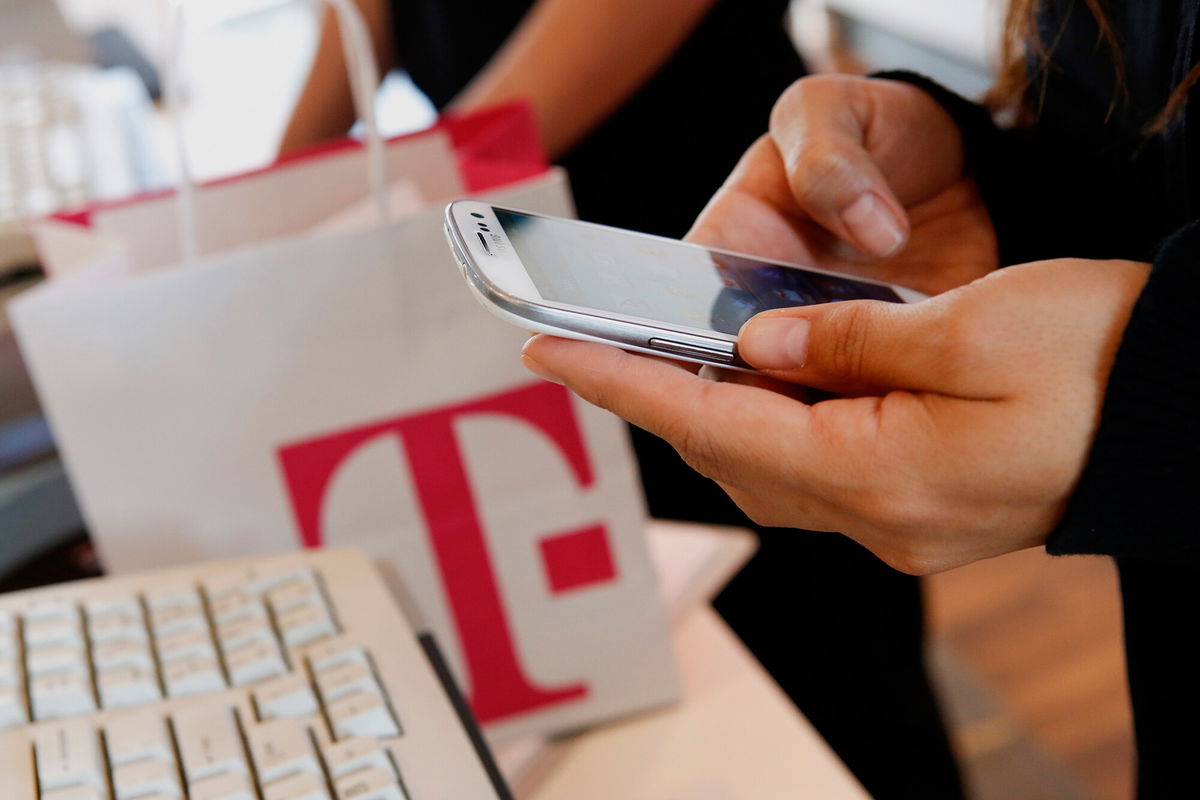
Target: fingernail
point(536, 368)
point(873, 225)
point(775, 342)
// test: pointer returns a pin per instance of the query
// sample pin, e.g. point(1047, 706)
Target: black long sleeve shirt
point(653, 163)
point(1086, 180)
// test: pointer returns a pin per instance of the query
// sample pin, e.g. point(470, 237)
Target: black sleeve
point(1133, 498)
point(1044, 201)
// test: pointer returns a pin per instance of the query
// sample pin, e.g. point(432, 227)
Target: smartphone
point(640, 292)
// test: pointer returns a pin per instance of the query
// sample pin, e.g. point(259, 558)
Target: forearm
point(325, 109)
point(579, 60)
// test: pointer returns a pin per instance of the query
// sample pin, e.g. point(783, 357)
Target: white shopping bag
point(288, 387)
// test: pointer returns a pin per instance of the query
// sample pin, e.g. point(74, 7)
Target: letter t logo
point(500, 686)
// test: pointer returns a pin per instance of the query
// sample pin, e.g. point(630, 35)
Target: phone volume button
point(692, 350)
point(459, 255)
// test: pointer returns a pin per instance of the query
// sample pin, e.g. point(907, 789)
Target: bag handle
point(364, 79)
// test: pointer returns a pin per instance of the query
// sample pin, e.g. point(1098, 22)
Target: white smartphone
point(639, 292)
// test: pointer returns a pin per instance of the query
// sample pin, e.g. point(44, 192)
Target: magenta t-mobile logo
point(572, 559)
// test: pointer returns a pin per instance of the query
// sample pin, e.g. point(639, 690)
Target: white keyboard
point(279, 678)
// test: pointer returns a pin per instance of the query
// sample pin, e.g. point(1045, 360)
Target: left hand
point(964, 423)
point(835, 140)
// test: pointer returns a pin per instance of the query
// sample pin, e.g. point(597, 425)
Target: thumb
point(862, 347)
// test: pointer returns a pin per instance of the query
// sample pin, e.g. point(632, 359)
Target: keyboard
point(292, 677)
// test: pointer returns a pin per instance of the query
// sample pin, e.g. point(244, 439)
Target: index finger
point(754, 211)
point(718, 428)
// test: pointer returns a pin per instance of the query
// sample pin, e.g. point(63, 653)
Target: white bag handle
point(364, 79)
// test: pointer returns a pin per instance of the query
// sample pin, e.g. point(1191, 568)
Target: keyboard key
point(75, 793)
point(61, 694)
point(281, 748)
point(50, 608)
point(363, 713)
point(279, 575)
point(53, 630)
point(191, 676)
point(10, 670)
point(328, 655)
point(178, 619)
point(147, 776)
point(117, 626)
point(209, 743)
point(301, 786)
point(12, 691)
point(185, 644)
point(302, 590)
point(124, 604)
point(136, 737)
point(346, 678)
point(12, 707)
point(255, 662)
point(120, 687)
point(237, 605)
point(123, 653)
point(243, 631)
point(55, 658)
point(286, 696)
point(68, 755)
point(354, 754)
point(222, 585)
point(223, 786)
point(372, 783)
point(305, 624)
point(8, 636)
point(160, 600)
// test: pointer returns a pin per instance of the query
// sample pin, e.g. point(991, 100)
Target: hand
point(964, 424)
point(857, 175)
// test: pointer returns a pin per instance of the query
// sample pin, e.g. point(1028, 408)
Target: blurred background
point(1027, 649)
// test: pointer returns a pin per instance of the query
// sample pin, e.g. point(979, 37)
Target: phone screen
point(612, 270)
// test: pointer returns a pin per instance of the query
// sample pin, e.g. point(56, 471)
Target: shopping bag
point(289, 386)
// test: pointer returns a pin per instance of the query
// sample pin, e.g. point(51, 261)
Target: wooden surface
point(734, 737)
point(1044, 635)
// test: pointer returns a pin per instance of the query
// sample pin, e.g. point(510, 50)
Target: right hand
point(964, 426)
point(857, 175)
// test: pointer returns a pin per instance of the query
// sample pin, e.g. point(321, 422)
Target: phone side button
point(691, 350)
point(458, 253)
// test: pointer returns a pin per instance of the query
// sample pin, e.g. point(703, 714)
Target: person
point(1053, 402)
point(649, 106)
